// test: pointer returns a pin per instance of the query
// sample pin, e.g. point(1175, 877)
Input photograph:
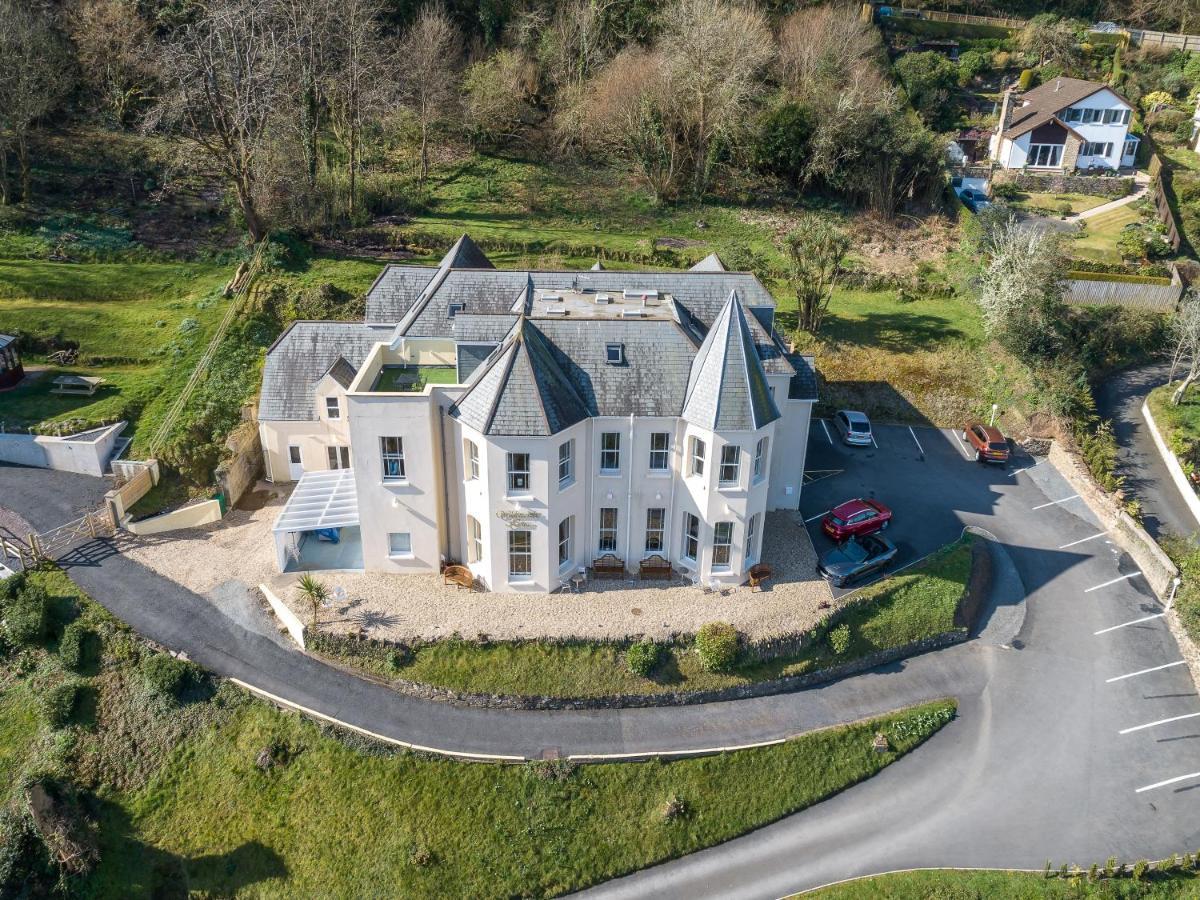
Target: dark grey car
point(856, 558)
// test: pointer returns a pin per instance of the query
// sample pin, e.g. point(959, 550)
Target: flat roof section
point(601, 304)
point(320, 500)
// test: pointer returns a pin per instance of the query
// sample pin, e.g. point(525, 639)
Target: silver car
point(854, 427)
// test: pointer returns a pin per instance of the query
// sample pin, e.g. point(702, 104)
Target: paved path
point(1111, 205)
point(1120, 399)
point(1034, 766)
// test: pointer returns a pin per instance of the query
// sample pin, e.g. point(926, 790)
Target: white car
point(854, 427)
point(6, 572)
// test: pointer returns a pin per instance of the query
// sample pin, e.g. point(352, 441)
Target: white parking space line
point(1159, 722)
point(1181, 662)
point(817, 516)
point(1175, 780)
point(826, 429)
point(1126, 625)
point(962, 443)
point(1055, 502)
point(915, 441)
point(1114, 581)
point(1083, 540)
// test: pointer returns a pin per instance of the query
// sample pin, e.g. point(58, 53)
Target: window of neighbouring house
point(400, 543)
point(339, 457)
point(751, 534)
point(1130, 148)
point(697, 456)
point(660, 451)
point(518, 473)
point(608, 530)
point(566, 464)
point(656, 520)
point(1096, 148)
point(520, 554)
point(1074, 114)
point(691, 536)
point(722, 544)
point(1044, 156)
point(731, 466)
point(333, 409)
point(610, 451)
point(565, 528)
point(392, 455)
point(474, 540)
point(471, 451)
point(760, 458)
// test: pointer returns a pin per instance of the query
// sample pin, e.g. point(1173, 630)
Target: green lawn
point(1099, 240)
point(1180, 425)
point(1043, 203)
point(179, 800)
point(981, 885)
point(915, 604)
point(140, 326)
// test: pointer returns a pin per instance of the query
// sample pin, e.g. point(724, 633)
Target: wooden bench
point(654, 566)
point(608, 566)
point(460, 576)
point(758, 574)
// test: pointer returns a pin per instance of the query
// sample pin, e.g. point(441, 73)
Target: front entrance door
point(295, 464)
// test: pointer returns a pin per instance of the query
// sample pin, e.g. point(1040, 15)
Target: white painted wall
point(63, 454)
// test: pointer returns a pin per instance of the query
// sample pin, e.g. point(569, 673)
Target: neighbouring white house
point(527, 423)
point(1064, 125)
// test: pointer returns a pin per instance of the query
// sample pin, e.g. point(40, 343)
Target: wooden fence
point(964, 19)
point(1166, 39)
point(57, 541)
point(1123, 293)
point(1161, 174)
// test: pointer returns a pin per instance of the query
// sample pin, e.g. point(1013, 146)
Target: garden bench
point(758, 574)
point(654, 566)
point(460, 576)
point(609, 565)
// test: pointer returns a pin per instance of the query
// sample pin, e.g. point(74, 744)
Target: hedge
point(1115, 276)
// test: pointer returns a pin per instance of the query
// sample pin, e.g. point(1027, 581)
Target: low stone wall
point(1091, 185)
point(1156, 566)
point(289, 619)
point(203, 513)
point(241, 469)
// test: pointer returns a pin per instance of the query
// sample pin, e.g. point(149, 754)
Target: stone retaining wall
point(1092, 185)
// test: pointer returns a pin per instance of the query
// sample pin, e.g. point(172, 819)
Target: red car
point(988, 444)
point(856, 517)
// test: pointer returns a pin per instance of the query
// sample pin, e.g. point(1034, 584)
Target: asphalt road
point(1035, 766)
point(1120, 399)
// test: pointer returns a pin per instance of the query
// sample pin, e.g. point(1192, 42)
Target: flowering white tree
point(1185, 333)
point(1021, 289)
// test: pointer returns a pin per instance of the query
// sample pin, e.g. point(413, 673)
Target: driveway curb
point(1172, 463)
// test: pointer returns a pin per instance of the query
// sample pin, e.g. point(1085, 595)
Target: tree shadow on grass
point(133, 868)
point(667, 671)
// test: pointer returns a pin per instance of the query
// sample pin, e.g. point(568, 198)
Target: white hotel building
point(527, 423)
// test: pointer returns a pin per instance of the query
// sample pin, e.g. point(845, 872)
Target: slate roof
point(301, 357)
point(465, 254)
point(803, 385)
point(1044, 102)
point(482, 329)
point(6, 339)
point(727, 389)
point(710, 263)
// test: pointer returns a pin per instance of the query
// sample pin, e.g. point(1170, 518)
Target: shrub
point(717, 645)
point(1005, 190)
point(1064, 208)
point(1026, 80)
point(168, 677)
point(839, 639)
point(58, 703)
point(26, 617)
point(1140, 868)
point(72, 647)
point(642, 657)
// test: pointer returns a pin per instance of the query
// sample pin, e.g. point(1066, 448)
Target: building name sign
point(517, 518)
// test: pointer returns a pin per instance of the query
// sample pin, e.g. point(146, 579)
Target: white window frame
point(566, 464)
point(614, 354)
point(751, 534)
point(471, 452)
point(295, 458)
point(656, 532)
point(520, 553)
point(722, 546)
point(338, 456)
point(395, 456)
point(406, 551)
point(697, 450)
point(730, 471)
point(566, 531)
point(333, 408)
point(610, 454)
point(691, 537)
point(660, 454)
point(1130, 148)
point(760, 458)
point(608, 533)
point(516, 474)
point(474, 540)
point(1054, 160)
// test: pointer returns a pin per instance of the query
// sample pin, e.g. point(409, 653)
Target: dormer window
point(454, 309)
point(615, 354)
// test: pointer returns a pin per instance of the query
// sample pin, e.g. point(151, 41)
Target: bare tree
point(714, 52)
point(309, 27)
point(573, 47)
point(815, 252)
point(428, 80)
point(1185, 334)
point(35, 75)
point(1051, 39)
point(357, 89)
point(496, 92)
point(114, 47)
point(225, 79)
point(820, 45)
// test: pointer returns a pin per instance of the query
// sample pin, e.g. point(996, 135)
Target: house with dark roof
point(1064, 125)
point(527, 423)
